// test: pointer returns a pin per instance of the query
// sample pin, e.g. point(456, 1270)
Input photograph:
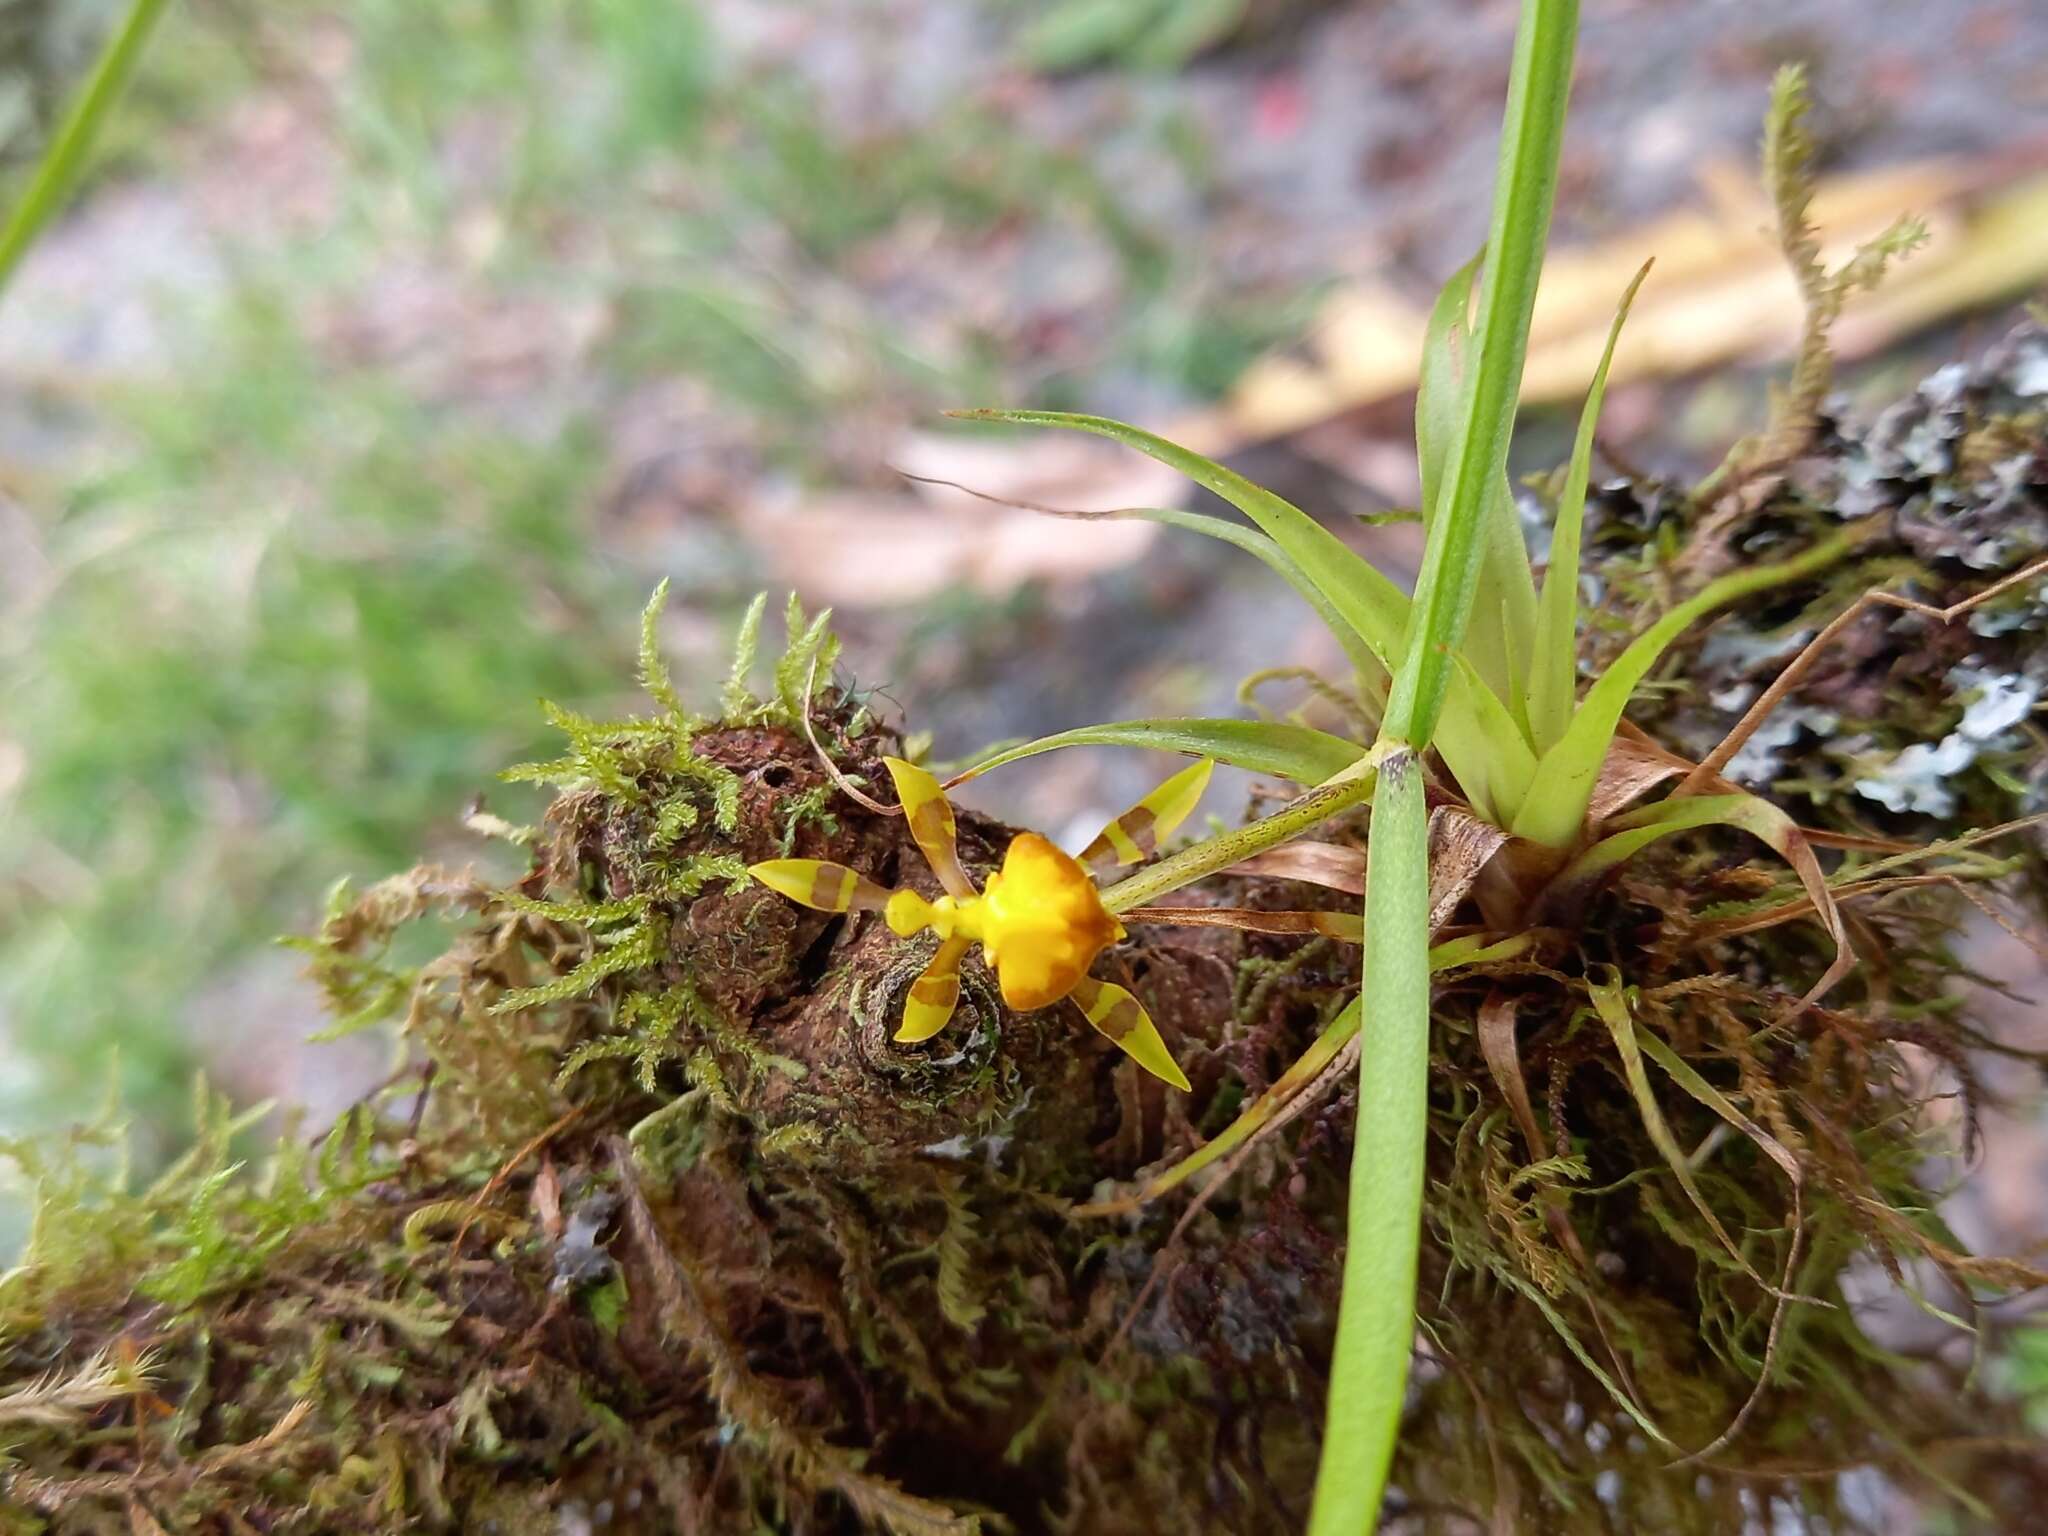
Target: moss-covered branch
point(659, 1229)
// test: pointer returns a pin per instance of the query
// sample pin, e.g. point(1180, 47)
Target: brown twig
point(506, 1170)
point(1800, 665)
point(847, 787)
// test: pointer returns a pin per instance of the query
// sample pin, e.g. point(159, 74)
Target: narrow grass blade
point(1610, 1002)
point(1362, 657)
point(1376, 1316)
point(1343, 792)
point(1534, 1295)
point(1297, 752)
point(1259, 545)
point(1553, 671)
point(1339, 1032)
point(1503, 623)
point(65, 159)
point(1473, 949)
point(1374, 608)
point(1305, 1070)
point(1682, 1072)
point(1463, 530)
point(1439, 392)
point(1555, 807)
point(1250, 540)
point(1345, 927)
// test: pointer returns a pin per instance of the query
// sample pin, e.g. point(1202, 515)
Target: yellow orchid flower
point(1040, 922)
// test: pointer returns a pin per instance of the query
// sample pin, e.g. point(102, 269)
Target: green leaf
point(65, 158)
point(1503, 621)
point(1374, 608)
point(1483, 746)
point(1465, 533)
point(1263, 548)
point(1555, 808)
point(1554, 673)
point(1610, 1002)
point(1376, 1316)
point(1438, 395)
point(1296, 752)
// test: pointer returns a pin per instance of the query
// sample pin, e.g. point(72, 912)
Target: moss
point(659, 1221)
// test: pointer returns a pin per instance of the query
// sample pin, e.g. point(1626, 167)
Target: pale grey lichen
point(1757, 761)
point(1734, 648)
point(2002, 701)
point(2027, 373)
point(581, 1255)
point(991, 1144)
point(1917, 779)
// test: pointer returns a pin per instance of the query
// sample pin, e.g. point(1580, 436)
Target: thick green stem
point(65, 157)
point(1220, 852)
point(1376, 1318)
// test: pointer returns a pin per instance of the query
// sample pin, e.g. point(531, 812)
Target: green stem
point(1376, 1316)
point(1532, 136)
point(1220, 852)
point(65, 158)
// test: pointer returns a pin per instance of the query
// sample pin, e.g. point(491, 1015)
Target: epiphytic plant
point(1478, 673)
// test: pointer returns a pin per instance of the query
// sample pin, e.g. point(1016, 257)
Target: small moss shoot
point(655, 1219)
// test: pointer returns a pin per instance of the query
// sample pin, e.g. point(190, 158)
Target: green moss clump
point(657, 1227)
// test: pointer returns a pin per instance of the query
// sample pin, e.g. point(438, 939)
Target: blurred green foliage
point(1152, 34)
point(296, 593)
point(300, 622)
point(2027, 1365)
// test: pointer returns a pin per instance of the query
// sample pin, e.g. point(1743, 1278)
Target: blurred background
point(392, 352)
